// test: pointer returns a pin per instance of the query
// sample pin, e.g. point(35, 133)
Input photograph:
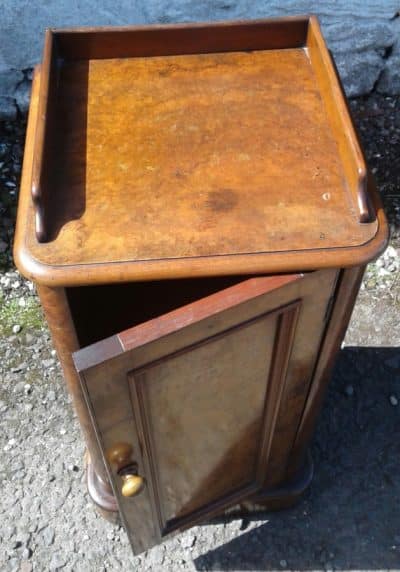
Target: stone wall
point(363, 34)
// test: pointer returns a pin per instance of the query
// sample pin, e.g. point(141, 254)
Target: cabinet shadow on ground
point(350, 517)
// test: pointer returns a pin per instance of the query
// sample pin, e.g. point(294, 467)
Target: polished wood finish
point(350, 152)
point(210, 306)
point(220, 173)
point(45, 138)
point(63, 334)
point(179, 383)
point(179, 182)
point(134, 303)
point(179, 39)
point(101, 494)
point(342, 307)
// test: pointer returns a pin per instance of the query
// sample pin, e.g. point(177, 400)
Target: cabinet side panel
point(55, 305)
point(316, 294)
point(345, 298)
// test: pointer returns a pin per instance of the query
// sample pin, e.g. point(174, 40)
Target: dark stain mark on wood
point(221, 201)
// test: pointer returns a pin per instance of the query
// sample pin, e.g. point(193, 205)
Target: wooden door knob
point(132, 485)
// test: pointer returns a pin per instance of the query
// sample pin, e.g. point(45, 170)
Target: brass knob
point(132, 485)
point(120, 455)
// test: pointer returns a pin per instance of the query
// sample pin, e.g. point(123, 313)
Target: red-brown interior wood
point(102, 311)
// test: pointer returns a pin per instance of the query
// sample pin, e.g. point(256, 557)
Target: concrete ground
point(348, 520)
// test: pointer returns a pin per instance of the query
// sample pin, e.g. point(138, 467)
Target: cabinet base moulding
point(101, 493)
point(277, 498)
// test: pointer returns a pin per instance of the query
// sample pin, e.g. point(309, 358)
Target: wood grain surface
point(208, 397)
point(198, 164)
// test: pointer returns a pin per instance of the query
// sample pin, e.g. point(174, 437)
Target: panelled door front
point(185, 405)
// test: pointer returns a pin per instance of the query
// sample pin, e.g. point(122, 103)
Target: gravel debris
point(51, 395)
point(58, 561)
point(349, 390)
point(48, 536)
point(26, 553)
point(188, 540)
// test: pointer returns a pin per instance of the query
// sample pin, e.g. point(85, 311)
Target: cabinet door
point(194, 397)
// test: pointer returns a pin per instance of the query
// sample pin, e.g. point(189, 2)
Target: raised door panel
point(201, 415)
point(196, 394)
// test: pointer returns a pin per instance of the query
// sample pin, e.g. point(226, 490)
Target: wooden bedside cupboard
point(196, 214)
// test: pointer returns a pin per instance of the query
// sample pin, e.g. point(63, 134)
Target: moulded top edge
point(246, 136)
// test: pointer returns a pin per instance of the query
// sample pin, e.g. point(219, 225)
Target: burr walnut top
point(194, 164)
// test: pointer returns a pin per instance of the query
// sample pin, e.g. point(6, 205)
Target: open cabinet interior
point(101, 311)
